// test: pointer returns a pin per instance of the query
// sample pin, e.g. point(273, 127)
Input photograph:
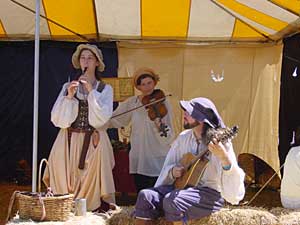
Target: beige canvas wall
point(248, 96)
point(167, 62)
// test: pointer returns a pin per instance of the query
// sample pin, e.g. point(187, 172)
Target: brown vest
point(81, 125)
point(81, 122)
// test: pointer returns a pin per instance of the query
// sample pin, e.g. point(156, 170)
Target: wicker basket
point(41, 207)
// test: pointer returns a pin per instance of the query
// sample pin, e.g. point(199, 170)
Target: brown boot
point(143, 222)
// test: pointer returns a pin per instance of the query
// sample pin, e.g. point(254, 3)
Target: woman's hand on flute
point(72, 88)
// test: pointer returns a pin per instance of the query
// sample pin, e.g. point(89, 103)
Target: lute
point(194, 165)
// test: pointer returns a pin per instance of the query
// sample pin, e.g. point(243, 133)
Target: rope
point(260, 190)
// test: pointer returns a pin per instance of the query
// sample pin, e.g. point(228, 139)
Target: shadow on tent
point(258, 172)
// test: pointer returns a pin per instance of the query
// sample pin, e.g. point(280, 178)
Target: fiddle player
point(222, 178)
point(148, 146)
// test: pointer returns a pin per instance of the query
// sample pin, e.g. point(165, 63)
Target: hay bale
point(90, 218)
point(226, 216)
point(240, 215)
point(287, 216)
point(124, 217)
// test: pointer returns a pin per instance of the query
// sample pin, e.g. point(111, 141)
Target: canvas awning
point(257, 70)
point(188, 20)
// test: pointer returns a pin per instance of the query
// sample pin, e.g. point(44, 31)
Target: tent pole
point(36, 96)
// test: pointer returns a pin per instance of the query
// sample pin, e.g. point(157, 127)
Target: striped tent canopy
point(162, 20)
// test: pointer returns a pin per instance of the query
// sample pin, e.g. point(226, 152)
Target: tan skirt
point(93, 182)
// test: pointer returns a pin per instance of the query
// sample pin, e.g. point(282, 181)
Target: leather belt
point(86, 143)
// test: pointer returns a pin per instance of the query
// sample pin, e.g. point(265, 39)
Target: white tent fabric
point(184, 41)
point(190, 20)
point(248, 96)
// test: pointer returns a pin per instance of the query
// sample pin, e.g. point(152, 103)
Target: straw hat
point(143, 71)
point(94, 49)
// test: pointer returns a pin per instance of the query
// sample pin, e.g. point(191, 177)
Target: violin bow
point(150, 103)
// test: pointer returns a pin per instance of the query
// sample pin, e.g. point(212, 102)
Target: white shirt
point(290, 183)
point(148, 148)
point(230, 183)
point(65, 110)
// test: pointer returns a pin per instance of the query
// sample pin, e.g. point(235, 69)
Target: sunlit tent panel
point(183, 41)
point(157, 16)
point(205, 20)
point(78, 16)
point(291, 5)
point(117, 19)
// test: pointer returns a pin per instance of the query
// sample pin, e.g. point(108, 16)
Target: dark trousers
point(177, 205)
point(143, 182)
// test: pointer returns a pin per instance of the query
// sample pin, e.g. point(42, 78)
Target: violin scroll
point(162, 127)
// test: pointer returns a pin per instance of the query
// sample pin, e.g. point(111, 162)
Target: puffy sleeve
point(123, 120)
point(100, 106)
point(232, 180)
point(65, 110)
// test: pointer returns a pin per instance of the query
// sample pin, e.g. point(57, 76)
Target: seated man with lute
point(199, 172)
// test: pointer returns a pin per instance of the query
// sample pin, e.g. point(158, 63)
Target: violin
point(133, 109)
point(156, 110)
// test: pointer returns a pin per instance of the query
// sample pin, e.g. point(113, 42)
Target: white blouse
point(65, 110)
point(148, 148)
